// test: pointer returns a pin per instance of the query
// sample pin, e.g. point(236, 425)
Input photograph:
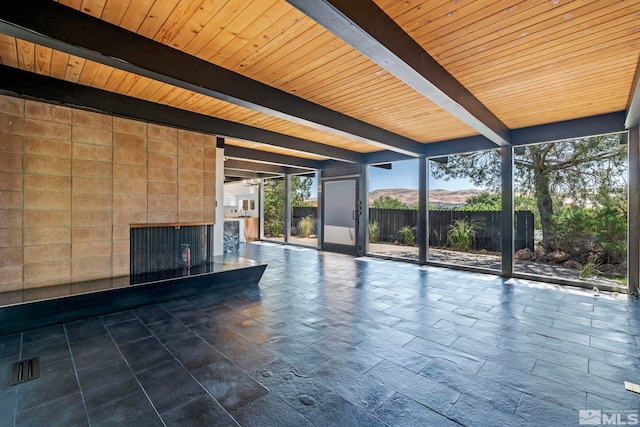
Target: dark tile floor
point(329, 340)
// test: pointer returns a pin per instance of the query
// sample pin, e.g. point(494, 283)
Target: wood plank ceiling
point(530, 62)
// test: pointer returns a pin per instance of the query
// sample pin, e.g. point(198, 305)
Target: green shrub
point(584, 232)
point(461, 234)
point(306, 226)
point(374, 232)
point(407, 235)
point(274, 228)
point(588, 268)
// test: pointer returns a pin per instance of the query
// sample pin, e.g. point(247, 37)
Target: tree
point(485, 201)
point(274, 200)
point(388, 202)
point(576, 169)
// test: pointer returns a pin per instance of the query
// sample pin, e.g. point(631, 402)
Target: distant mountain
point(437, 197)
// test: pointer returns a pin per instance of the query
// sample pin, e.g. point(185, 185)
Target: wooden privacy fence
point(487, 225)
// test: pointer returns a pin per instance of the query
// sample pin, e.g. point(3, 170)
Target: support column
point(633, 211)
point(218, 228)
point(423, 209)
point(506, 172)
point(363, 209)
point(287, 207)
point(319, 216)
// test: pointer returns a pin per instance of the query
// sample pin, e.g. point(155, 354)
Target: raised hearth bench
point(99, 297)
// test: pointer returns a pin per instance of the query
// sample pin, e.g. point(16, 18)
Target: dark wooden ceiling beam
point(53, 25)
point(257, 167)
point(366, 27)
point(71, 94)
point(234, 152)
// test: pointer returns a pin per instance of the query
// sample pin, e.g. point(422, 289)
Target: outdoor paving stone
point(151, 314)
point(94, 351)
point(589, 383)
point(10, 346)
point(473, 412)
point(269, 411)
point(423, 390)
point(296, 353)
point(145, 353)
point(193, 352)
point(401, 411)
point(239, 350)
point(207, 302)
point(84, 329)
point(297, 389)
point(478, 351)
point(122, 316)
point(190, 315)
point(96, 389)
point(8, 399)
point(472, 363)
point(595, 401)
point(340, 331)
point(379, 317)
point(170, 329)
point(387, 333)
point(338, 412)
point(203, 411)
point(466, 331)
point(229, 385)
point(132, 409)
point(629, 349)
point(556, 315)
point(523, 360)
point(176, 304)
point(541, 412)
point(131, 330)
point(434, 335)
point(49, 332)
point(362, 391)
point(221, 316)
point(602, 315)
point(300, 315)
point(57, 380)
point(254, 331)
point(49, 350)
point(593, 353)
point(400, 356)
point(553, 391)
point(619, 339)
point(298, 332)
point(454, 376)
point(169, 385)
point(347, 355)
point(66, 411)
point(263, 314)
point(613, 373)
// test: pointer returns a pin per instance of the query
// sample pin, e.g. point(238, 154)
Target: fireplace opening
point(166, 248)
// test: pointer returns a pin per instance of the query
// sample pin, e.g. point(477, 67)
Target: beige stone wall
point(72, 182)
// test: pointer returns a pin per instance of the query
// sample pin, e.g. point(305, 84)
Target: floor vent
point(25, 370)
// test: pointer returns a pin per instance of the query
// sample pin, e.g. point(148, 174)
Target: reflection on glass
point(274, 209)
point(393, 209)
point(465, 210)
point(304, 210)
point(577, 191)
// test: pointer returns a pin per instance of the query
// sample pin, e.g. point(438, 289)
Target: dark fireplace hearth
point(166, 248)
